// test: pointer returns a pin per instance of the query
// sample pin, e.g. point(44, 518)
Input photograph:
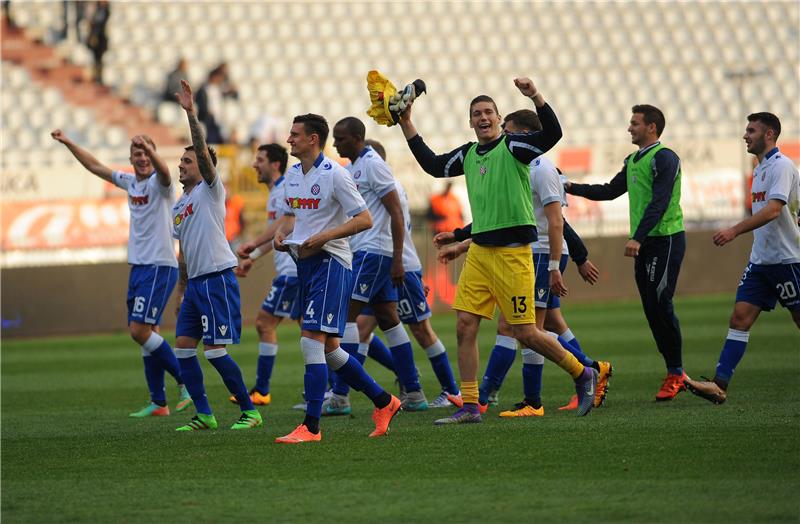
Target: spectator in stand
point(209, 106)
point(173, 83)
point(98, 38)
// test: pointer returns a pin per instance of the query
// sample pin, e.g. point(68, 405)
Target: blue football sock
point(732, 353)
point(500, 361)
point(229, 370)
point(154, 375)
point(441, 367)
point(316, 377)
point(193, 378)
point(315, 383)
point(350, 345)
point(266, 361)
point(161, 350)
point(570, 343)
point(532, 367)
point(378, 351)
point(403, 357)
point(350, 371)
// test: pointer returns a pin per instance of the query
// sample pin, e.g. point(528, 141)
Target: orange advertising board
point(49, 224)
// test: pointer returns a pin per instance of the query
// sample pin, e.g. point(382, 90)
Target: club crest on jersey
point(329, 317)
point(483, 170)
point(357, 174)
point(140, 200)
point(303, 203)
point(315, 189)
point(188, 211)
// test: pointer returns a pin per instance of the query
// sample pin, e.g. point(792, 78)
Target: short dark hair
point(354, 127)
point(211, 152)
point(377, 146)
point(482, 98)
point(314, 125)
point(769, 120)
point(652, 115)
point(276, 153)
point(524, 118)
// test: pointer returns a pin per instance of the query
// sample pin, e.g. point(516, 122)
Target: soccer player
point(773, 272)
point(210, 307)
point(550, 260)
point(151, 255)
point(270, 165)
point(413, 309)
point(498, 269)
point(652, 179)
point(377, 266)
point(321, 195)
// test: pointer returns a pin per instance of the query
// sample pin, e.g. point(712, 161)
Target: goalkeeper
point(498, 269)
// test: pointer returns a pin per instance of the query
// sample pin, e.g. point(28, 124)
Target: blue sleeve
point(439, 166)
point(577, 249)
point(616, 187)
point(666, 165)
point(525, 147)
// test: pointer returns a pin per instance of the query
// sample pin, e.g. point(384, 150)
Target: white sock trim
point(529, 356)
point(215, 353)
point(350, 333)
point(153, 342)
point(741, 336)
point(313, 351)
point(267, 349)
point(363, 348)
point(337, 358)
point(568, 335)
point(396, 336)
point(505, 342)
point(185, 352)
point(435, 349)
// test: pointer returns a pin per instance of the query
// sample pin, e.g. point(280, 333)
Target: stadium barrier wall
point(78, 299)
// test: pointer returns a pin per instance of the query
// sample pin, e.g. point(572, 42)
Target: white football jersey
point(546, 187)
point(150, 240)
point(284, 265)
point(374, 180)
point(778, 242)
point(323, 198)
point(199, 224)
point(411, 260)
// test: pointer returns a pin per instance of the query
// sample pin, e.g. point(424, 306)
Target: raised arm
point(86, 159)
point(162, 171)
point(186, 100)
point(527, 146)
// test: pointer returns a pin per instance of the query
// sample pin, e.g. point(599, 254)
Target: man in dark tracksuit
point(652, 179)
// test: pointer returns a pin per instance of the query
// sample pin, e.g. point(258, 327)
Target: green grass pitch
point(71, 454)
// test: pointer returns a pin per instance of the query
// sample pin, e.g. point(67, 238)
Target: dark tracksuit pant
point(656, 273)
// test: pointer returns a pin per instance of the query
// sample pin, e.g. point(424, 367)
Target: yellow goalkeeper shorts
point(501, 276)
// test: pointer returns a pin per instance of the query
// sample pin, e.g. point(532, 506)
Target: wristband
point(254, 254)
point(554, 265)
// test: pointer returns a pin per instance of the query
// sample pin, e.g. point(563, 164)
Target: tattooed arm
point(186, 100)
